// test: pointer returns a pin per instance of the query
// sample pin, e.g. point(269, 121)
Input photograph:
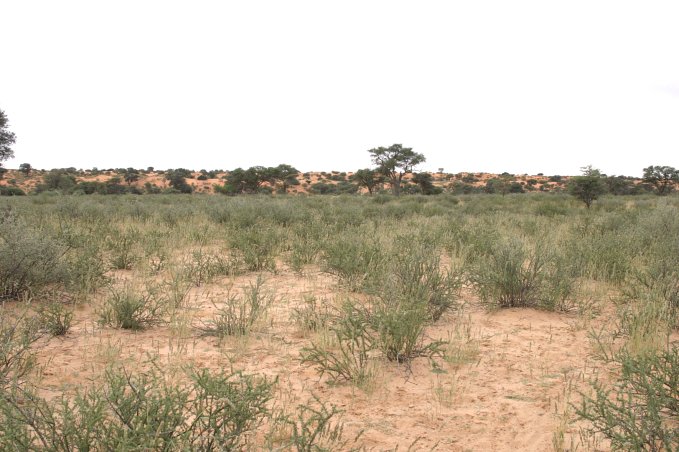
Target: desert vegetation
point(337, 323)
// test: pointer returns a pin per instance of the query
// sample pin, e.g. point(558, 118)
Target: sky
point(483, 86)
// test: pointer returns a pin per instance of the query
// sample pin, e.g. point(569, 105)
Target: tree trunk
point(396, 184)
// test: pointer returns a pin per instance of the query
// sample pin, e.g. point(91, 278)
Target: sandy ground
point(505, 392)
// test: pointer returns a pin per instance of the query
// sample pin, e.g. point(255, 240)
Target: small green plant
point(313, 315)
point(55, 318)
point(641, 411)
point(354, 260)
point(257, 246)
point(399, 323)
point(132, 309)
point(17, 334)
point(315, 427)
point(144, 411)
point(204, 267)
point(239, 313)
point(354, 343)
point(122, 246)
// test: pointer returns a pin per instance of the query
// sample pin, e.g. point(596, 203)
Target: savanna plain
point(472, 322)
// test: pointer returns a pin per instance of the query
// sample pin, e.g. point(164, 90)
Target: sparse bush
point(239, 314)
point(258, 247)
point(312, 315)
point(30, 259)
point(314, 428)
point(17, 334)
point(214, 411)
point(122, 246)
point(55, 318)
point(354, 341)
point(132, 309)
point(514, 274)
point(641, 411)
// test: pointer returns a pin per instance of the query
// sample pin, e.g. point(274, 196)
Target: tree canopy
point(588, 187)
point(368, 178)
point(394, 162)
point(7, 138)
point(663, 178)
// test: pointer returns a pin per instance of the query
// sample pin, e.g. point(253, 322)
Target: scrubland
point(479, 322)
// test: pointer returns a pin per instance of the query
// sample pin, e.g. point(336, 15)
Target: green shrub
point(514, 274)
point(238, 314)
point(30, 259)
point(354, 342)
point(17, 334)
point(55, 319)
point(312, 315)
point(122, 246)
point(314, 428)
point(641, 411)
point(131, 309)
point(213, 411)
point(11, 191)
point(354, 258)
point(258, 247)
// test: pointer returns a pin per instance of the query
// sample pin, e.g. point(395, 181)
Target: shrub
point(17, 334)
point(55, 319)
point(641, 411)
point(351, 360)
point(30, 259)
point(513, 274)
point(214, 411)
point(130, 309)
point(312, 315)
point(314, 429)
point(238, 314)
point(258, 247)
point(122, 246)
point(11, 191)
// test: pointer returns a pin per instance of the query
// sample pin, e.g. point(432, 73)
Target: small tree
point(426, 183)
point(663, 178)
point(130, 175)
point(588, 187)
point(246, 181)
point(25, 168)
point(500, 185)
point(283, 173)
point(394, 162)
point(177, 178)
point(368, 178)
point(7, 139)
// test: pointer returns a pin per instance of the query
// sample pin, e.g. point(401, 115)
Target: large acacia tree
point(394, 162)
point(7, 139)
point(663, 178)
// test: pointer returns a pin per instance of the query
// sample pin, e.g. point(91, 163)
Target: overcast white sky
point(492, 86)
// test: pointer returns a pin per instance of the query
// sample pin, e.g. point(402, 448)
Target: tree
point(246, 181)
point(283, 173)
point(368, 178)
point(130, 175)
point(25, 168)
point(663, 178)
point(177, 178)
point(588, 187)
point(426, 183)
point(394, 162)
point(7, 139)
point(501, 185)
